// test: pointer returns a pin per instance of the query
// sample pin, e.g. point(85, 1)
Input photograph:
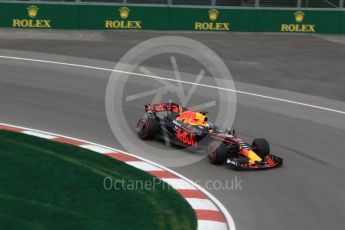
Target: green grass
point(49, 185)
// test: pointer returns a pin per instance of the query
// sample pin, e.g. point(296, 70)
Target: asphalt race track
point(307, 193)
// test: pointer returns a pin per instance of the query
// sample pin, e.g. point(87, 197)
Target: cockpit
point(193, 118)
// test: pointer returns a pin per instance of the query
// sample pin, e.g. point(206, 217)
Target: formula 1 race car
point(190, 129)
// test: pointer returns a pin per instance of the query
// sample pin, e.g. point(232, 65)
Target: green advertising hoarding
point(114, 17)
point(299, 21)
point(124, 17)
point(214, 19)
point(44, 16)
point(342, 24)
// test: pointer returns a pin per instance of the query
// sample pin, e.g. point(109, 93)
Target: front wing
point(270, 161)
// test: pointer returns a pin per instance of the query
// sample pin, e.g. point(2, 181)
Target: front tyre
point(216, 153)
point(261, 147)
point(147, 128)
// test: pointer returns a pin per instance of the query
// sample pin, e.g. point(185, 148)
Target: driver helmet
point(210, 125)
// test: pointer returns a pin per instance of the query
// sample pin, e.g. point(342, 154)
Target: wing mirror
point(233, 132)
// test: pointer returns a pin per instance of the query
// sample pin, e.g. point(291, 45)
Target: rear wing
point(165, 107)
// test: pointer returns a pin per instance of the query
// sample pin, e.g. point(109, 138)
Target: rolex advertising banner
point(299, 21)
point(124, 17)
point(127, 17)
point(44, 16)
point(342, 25)
point(212, 19)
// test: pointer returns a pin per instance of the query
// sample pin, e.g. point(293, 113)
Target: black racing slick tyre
point(261, 147)
point(147, 128)
point(216, 153)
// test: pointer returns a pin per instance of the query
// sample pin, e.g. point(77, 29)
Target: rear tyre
point(261, 147)
point(147, 128)
point(216, 153)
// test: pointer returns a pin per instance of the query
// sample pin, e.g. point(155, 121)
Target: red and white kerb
point(209, 216)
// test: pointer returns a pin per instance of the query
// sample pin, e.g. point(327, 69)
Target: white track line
point(174, 80)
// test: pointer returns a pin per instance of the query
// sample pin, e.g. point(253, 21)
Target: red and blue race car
point(191, 129)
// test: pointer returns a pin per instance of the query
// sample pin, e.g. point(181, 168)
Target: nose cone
point(252, 156)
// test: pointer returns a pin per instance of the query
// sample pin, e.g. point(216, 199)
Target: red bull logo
point(185, 137)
